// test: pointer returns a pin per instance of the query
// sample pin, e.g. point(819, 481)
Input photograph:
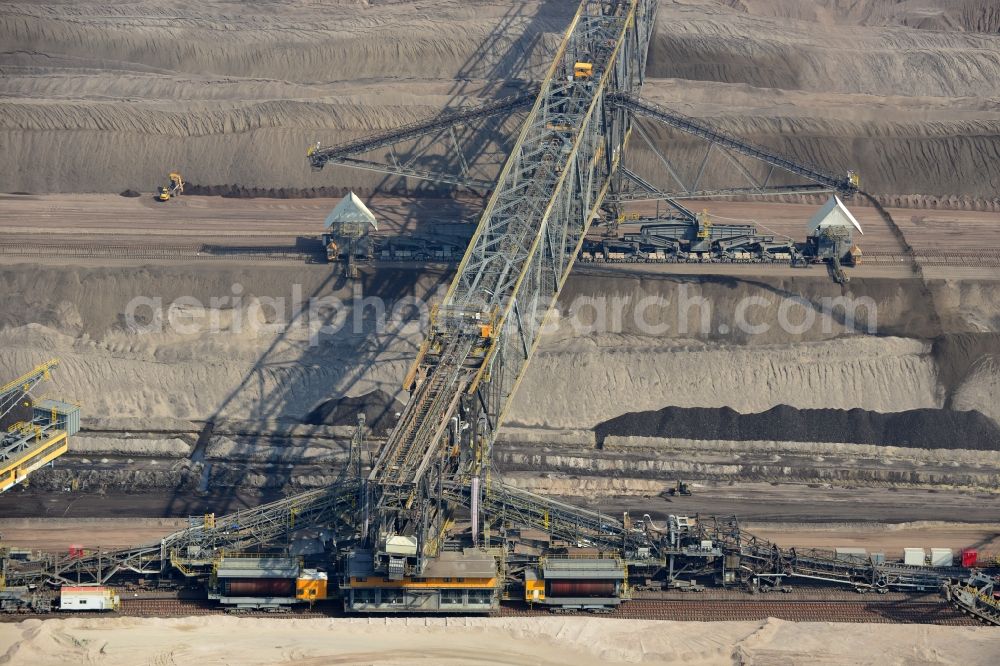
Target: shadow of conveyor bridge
point(286, 389)
point(498, 65)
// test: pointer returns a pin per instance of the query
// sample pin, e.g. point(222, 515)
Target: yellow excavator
point(175, 187)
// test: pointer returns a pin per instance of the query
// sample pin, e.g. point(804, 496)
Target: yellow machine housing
point(465, 582)
point(583, 70)
point(311, 585)
point(534, 587)
point(30, 445)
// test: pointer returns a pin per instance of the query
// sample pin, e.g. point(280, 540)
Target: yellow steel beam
point(25, 379)
point(17, 470)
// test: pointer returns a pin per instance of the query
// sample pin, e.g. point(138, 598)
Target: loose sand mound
point(612, 375)
point(104, 98)
point(544, 641)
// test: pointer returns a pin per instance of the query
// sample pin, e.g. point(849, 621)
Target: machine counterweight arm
point(846, 186)
point(318, 158)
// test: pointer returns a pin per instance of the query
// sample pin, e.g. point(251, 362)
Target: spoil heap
point(915, 428)
point(380, 410)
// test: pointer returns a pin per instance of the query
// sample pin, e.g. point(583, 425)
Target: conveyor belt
point(703, 130)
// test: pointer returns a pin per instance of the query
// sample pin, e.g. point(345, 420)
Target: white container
point(88, 598)
point(914, 557)
point(942, 557)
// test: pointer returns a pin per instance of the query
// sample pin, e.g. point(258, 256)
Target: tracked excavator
point(173, 189)
point(678, 489)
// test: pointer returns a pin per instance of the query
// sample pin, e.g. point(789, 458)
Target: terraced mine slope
point(104, 96)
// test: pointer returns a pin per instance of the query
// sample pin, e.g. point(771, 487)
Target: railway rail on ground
point(153, 251)
point(983, 258)
point(884, 609)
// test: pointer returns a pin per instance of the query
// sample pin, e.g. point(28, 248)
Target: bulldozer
point(175, 188)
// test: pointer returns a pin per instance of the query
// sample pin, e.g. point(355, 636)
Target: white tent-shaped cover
point(352, 211)
point(833, 214)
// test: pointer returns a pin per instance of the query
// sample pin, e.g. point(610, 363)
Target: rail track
point(314, 253)
point(870, 611)
point(142, 607)
point(984, 258)
point(884, 609)
point(154, 251)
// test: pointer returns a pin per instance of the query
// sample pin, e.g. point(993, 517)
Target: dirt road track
point(83, 228)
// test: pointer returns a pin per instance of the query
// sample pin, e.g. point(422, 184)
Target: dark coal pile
point(918, 428)
point(131, 194)
point(379, 408)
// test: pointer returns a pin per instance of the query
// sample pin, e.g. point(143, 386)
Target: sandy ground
point(542, 641)
point(57, 534)
point(890, 540)
point(99, 97)
point(90, 218)
point(87, 219)
point(660, 355)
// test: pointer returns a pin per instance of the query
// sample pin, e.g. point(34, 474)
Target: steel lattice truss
point(193, 549)
point(818, 180)
point(12, 392)
point(357, 153)
point(565, 164)
point(630, 186)
point(549, 191)
point(504, 504)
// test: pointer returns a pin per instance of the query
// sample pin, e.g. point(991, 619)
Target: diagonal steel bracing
point(819, 179)
point(564, 165)
point(357, 153)
point(194, 548)
point(485, 331)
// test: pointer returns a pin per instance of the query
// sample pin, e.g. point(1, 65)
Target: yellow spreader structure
point(28, 445)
